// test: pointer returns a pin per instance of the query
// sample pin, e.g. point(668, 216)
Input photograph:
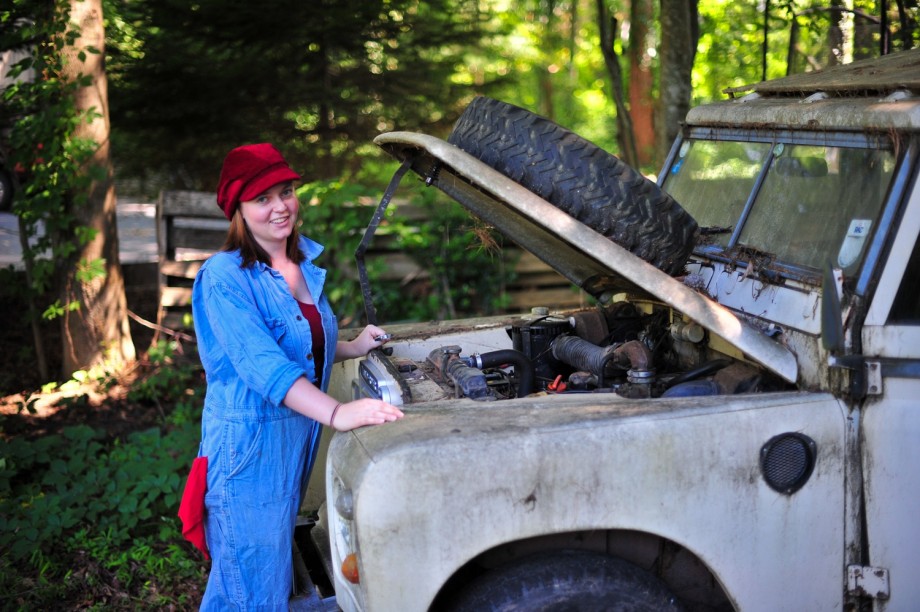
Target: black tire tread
point(580, 178)
point(567, 580)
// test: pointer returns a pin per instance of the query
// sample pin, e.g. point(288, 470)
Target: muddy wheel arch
point(676, 569)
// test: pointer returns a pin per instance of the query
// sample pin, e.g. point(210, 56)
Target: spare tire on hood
point(590, 184)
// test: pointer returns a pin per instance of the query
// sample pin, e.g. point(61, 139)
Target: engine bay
point(620, 348)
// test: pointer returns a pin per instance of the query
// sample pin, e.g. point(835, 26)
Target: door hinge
point(864, 581)
point(873, 378)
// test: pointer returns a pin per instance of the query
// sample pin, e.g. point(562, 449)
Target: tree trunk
point(544, 76)
point(607, 27)
point(98, 331)
point(679, 34)
point(837, 21)
point(641, 81)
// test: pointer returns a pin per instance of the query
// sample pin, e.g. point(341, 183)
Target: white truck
point(735, 423)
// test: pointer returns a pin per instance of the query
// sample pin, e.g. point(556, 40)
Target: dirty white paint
point(465, 479)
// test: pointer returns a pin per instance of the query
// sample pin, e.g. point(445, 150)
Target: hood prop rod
point(369, 309)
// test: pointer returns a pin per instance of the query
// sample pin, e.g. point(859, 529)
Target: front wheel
point(567, 580)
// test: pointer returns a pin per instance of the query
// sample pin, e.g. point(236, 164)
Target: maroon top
point(311, 314)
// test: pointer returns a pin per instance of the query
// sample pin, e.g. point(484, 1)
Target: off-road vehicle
point(735, 423)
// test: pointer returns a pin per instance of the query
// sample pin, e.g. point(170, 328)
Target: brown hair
point(239, 237)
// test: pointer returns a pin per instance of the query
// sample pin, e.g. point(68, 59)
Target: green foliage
point(467, 270)
point(171, 377)
point(41, 117)
point(545, 57)
point(75, 507)
point(189, 81)
point(462, 273)
point(730, 51)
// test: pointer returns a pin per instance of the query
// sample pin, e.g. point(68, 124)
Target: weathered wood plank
point(552, 298)
point(181, 269)
point(201, 204)
point(175, 297)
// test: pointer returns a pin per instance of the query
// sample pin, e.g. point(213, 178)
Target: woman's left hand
point(364, 411)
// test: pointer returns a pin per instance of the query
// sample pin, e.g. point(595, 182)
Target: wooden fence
point(190, 227)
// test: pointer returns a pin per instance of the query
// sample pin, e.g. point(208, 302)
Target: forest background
point(124, 98)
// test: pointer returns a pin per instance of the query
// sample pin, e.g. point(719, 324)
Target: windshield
point(798, 205)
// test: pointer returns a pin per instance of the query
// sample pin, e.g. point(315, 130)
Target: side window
point(906, 307)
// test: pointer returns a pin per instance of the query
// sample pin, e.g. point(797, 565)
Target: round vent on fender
point(787, 460)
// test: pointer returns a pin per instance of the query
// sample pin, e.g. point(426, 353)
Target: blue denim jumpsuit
point(254, 343)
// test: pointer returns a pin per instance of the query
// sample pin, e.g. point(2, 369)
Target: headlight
point(345, 504)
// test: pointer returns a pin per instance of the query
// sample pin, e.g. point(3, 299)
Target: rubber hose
point(707, 368)
point(523, 367)
point(581, 354)
point(471, 381)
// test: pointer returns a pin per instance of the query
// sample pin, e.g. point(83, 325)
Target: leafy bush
point(467, 267)
point(170, 379)
point(463, 269)
point(82, 514)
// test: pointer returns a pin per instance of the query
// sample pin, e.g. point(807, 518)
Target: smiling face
point(272, 216)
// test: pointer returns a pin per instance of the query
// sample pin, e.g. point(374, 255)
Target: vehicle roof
point(871, 77)
point(879, 94)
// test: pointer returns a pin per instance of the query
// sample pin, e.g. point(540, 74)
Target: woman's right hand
point(364, 411)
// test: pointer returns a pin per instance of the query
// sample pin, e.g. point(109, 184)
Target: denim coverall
point(254, 343)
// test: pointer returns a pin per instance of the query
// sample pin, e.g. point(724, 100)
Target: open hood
point(588, 259)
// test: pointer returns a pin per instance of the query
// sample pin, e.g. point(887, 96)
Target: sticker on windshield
point(853, 242)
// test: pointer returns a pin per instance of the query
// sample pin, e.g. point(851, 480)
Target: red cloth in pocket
point(191, 508)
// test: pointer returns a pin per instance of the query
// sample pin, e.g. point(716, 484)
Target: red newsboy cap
point(248, 171)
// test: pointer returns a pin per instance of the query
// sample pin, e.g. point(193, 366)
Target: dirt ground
point(110, 412)
point(20, 381)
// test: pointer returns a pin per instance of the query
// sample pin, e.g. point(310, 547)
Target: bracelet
point(334, 410)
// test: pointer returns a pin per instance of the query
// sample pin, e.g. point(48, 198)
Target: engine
point(614, 349)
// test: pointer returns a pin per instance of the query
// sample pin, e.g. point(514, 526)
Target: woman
point(267, 339)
